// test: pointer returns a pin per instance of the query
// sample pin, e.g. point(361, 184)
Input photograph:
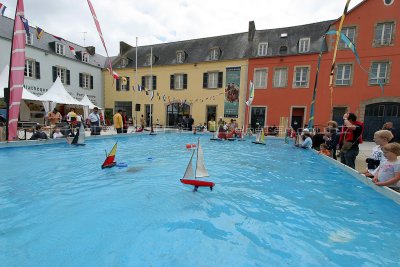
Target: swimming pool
point(272, 205)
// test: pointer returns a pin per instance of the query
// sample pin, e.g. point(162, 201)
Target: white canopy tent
point(57, 95)
point(88, 105)
point(26, 95)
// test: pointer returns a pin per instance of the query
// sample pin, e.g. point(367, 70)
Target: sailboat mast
point(197, 156)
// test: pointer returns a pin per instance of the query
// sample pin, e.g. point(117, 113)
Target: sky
point(160, 21)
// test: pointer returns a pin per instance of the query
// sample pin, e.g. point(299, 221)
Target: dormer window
point(85, 57)
point(214, 53)
point(283, 50)
point(60, 49)
point(124, 62)
point(304, 45)
point(28, 39)
point(149, 59)
point(262, 49)
point(180, 56)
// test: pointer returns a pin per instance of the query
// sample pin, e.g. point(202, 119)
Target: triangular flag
point(2, 9)
point(39, 33)
point(26, 25)
point(72, 50)
point(251, 94)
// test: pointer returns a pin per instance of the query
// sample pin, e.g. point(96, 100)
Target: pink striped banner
point(17, 66)
point(96, 21)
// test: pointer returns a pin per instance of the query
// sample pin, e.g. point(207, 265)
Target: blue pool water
point(272, 205)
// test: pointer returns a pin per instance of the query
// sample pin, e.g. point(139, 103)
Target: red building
point(284, 68)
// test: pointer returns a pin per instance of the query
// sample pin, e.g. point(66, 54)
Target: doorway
point(175, 113)
point(148, 115)
point(297, 118)
point(257, 117)
point(211, 112)
point(379, 113)
point(337, 114)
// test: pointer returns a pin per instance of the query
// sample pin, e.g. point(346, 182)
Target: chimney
point(252, 30)
point(91, 50)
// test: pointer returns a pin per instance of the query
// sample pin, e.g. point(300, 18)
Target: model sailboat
point(215, 135)
point(79, 138)
point(199, 172)
point(260, 138)
point(242, 134)
point(109, 162)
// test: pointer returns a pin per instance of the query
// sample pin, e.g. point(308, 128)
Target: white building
point(49, 57)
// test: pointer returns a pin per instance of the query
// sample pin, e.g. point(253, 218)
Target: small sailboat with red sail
point(110, 159)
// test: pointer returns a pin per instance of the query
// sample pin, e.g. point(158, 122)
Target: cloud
point(156, 21)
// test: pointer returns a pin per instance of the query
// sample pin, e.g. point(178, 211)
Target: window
point(62, 73)
point(178, 81)
point(29, 68)
point(86, 81)
point(85, 57)
point(280, 77)
point(384, 33)
point(124, 83)
point(304, 45)
point(350, 32)
point(212, 80)
point(60, 49)
point(379, 73)
point(180, 57)
point(301, 77)
point(283, 50)
point(149, 82)
point(28, 39)
point(260, 78)
point(343, 74)
point(262, 49)
point(124, 62)
point(214, 53)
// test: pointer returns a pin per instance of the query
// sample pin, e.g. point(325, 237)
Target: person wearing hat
point(94, 119)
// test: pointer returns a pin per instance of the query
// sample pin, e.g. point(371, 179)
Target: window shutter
point(205, 80)
point(154, 82)
point(91, 82)
point(127, 84)
point(184, 81)
point(80, 80)
point(37, 70)
point(220, 78)
point(143, 82)
point(54, 73)
point(117, 87)
point(68, 77)
point(172, 82)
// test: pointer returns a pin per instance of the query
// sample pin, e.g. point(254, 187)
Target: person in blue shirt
point(307, 141)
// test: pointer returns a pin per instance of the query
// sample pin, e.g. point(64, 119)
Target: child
point(323, 149)
point(381, 138)
point(57, 133)
point(388, 173)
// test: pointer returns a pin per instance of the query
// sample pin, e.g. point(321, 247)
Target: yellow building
point(203, 78)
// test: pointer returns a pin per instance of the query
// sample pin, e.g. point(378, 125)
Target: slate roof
point(6, 27)
point(232, 46)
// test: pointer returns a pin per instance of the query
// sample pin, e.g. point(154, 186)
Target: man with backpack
point(350, 138)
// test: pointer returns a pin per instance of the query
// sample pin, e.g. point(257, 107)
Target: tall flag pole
point(16, 76)
point(136, 81)
point(151, 85)
point(339, 31)
point(101, 35)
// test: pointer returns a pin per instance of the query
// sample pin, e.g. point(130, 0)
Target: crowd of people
point(343, 143)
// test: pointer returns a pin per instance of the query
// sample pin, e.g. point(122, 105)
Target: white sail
point(201, 170)
point(81, 138)
point(189, 169)
point(258, 137)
